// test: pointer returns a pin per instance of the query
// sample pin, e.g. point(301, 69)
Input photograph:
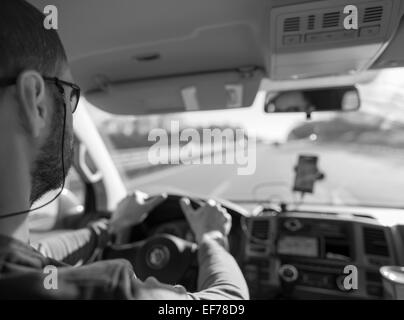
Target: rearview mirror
point(313, 100)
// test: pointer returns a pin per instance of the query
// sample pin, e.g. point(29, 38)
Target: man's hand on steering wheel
point(208, 221)
point(168, 258)
point(133, 209)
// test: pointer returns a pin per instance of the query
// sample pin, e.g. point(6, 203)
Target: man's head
point(34, 106)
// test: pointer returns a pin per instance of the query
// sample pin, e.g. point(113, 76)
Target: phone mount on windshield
point(306, 174)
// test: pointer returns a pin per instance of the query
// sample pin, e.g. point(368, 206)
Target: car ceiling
point(134, 40)
point(189, 36)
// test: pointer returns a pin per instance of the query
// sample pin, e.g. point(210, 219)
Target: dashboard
point(302, 254)
point(305, 253)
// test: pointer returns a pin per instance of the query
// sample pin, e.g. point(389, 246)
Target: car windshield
point(361, 154)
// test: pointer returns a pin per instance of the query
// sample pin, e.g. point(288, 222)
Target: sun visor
point(198, 92)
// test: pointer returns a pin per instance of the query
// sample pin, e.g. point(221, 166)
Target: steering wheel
point(169, 259)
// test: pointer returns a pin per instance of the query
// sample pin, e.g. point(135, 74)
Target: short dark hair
point(25, 43)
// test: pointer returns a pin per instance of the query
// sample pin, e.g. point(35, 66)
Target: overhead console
point(310, 40)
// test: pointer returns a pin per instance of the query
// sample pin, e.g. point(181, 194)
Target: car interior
point(288, 58)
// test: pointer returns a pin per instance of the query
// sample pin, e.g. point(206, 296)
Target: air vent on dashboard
point(375, 242)
point(331, 19)
point(291, 24)
point(260, 229)
point(373, 14)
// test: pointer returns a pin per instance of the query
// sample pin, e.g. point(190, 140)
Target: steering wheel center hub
point(158, 257)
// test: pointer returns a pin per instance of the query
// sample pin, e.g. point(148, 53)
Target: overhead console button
point(330, 36)
point(291, 40)
point(371, 31)
point(314, 37)
point(348, 34)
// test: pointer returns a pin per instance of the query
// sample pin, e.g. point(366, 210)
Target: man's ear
point(31, 96)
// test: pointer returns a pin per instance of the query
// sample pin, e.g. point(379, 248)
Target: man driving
point(37, 99)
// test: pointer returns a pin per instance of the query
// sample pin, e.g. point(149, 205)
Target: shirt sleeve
point(220, 276)
point(75, 247)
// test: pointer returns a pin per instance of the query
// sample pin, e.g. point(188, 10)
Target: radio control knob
point(340, 283)
point(288, 273)
point(293, 225)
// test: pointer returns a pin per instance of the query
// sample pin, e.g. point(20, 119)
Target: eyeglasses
point(74, 93)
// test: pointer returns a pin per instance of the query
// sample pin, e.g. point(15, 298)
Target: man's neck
point(15, 186)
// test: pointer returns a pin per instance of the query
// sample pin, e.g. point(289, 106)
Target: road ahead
point(352, 176)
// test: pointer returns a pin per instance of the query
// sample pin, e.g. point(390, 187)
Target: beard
point(50, 169)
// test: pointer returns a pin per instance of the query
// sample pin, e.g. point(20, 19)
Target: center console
point(309, 255)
